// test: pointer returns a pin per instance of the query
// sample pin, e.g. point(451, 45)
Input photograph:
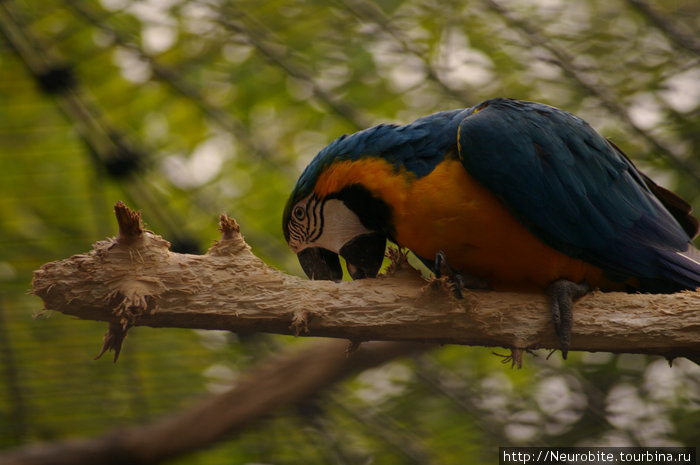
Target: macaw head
point(346, 220)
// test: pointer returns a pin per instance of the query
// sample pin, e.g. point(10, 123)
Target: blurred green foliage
point(224, 102)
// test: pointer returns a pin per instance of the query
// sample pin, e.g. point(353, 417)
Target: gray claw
point(562, 294)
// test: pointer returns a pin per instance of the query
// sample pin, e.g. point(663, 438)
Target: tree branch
point(280, 381)
point(135, 280)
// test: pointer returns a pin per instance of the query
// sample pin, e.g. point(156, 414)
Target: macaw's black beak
point(320, 263)
point(364, 255)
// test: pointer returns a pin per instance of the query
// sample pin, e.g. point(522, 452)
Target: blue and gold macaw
point(514, 194)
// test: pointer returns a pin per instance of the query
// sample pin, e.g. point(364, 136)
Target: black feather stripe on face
point(308, 226)
point(374, 213)
point(314, 213)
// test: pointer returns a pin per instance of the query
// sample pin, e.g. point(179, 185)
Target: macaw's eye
point(299, 213)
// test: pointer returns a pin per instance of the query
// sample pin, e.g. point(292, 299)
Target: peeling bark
point(134, 279)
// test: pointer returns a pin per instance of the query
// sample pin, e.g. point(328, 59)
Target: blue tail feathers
point(683, 268)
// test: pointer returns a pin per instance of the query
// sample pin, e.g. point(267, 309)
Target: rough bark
point(134, 279)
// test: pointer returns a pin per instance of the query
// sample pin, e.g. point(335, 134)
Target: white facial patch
point(323, 223)
point(340, 226)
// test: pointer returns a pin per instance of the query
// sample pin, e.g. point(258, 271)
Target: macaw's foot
point(562, 294)
point(457, 281)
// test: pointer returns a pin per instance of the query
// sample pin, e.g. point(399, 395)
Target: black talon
point(442, 268)
point(562, 294)
point(458, 281)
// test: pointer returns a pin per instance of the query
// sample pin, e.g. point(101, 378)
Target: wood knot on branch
point(130, 299)
point(228, 226)
point(130, 225)
point(132, 293)
point(113, 340)
point(136, 297)
point(231, 242)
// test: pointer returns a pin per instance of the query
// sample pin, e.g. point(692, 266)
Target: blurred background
point(189, 108)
